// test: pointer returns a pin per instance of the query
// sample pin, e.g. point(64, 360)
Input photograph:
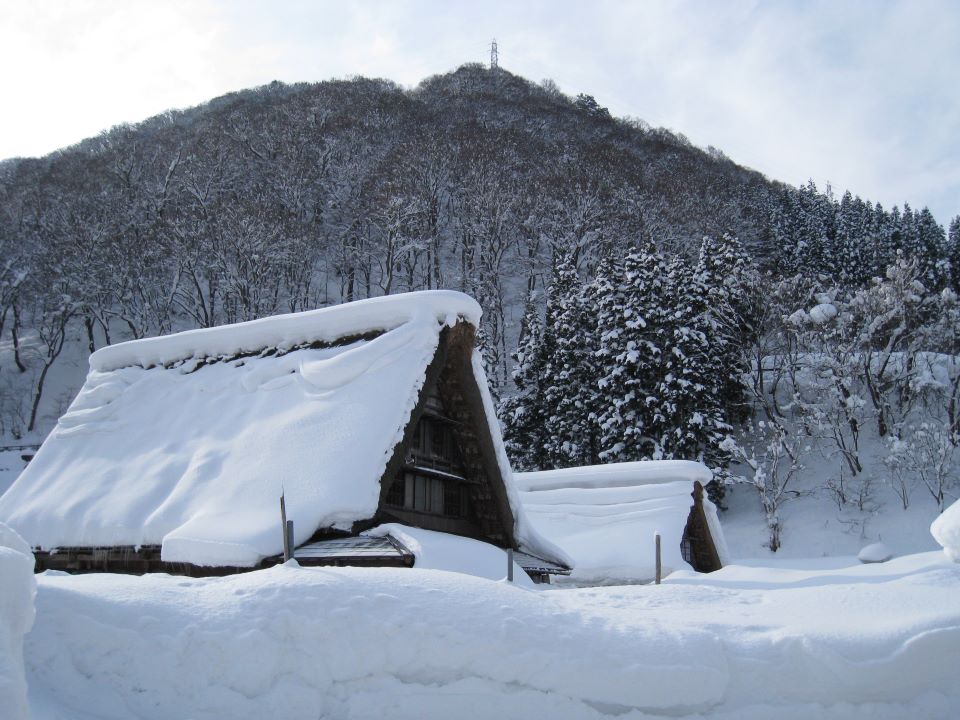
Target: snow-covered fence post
point(285, 527)
point(510, 565)
point(289, 543)
point(656, 539)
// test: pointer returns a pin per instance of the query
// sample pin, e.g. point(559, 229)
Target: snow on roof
point(606, 516)
point(527, 536)
point(285, 331)
point(626, 474)
point(193, 456)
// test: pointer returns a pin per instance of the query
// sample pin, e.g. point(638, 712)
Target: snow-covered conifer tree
point(695, 366)
point(953, 253)
point(569, 377)
point(522, 414)
point(727, 275)
point(631, 353)
point(853, 242)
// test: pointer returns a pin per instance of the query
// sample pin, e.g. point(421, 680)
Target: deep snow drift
point(17, 589)
point(872, 641)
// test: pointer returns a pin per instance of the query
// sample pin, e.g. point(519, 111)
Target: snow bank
point(351, 642)
point(871, 641)
point(442, 551)
point(193, 457)
point(17, 590)
point(606, 516)
point(946, 531)
point(877, 633)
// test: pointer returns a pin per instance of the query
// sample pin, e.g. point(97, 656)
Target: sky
point(860, 94)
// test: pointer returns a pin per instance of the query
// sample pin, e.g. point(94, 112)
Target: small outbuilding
point(175, 453)
point(606, 518)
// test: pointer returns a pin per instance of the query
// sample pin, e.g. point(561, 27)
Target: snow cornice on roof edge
point(329, 324)
point(624, 474)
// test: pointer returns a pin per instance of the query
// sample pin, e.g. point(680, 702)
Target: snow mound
point(946, 531)
point(606, 516)
point(819, 314)
point(17, 590)
point(875, 553)
point(442, 551)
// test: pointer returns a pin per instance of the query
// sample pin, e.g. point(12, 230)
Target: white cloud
point(859, 93)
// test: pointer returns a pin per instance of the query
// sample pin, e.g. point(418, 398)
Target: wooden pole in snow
point(659, 567)
point(285, 528)
point(290, 544)
point(510, 565)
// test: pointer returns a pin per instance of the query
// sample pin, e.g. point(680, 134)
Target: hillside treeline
point(290, 197)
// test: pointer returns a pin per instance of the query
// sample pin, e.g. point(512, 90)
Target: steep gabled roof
point(185, 441)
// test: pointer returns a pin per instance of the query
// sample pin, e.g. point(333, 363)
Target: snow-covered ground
point(17, 588)
point(878, 641)
point(814, 527)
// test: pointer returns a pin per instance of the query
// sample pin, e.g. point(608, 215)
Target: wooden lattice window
point(426, 494)
point(433, 443)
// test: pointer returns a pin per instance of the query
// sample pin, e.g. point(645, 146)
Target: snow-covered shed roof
point(605, 517)
point(186, 441)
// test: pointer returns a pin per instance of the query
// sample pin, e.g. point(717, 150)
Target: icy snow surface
point(946, 531)
point(868, 641)
point(606, 516)
point(193, 458)
point(17, 589)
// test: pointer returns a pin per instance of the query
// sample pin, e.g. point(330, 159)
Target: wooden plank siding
point(697, 545)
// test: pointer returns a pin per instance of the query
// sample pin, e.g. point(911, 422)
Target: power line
point(494, 60)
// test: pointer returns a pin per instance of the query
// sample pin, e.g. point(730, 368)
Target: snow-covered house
point(605, 517)
point(174, 454)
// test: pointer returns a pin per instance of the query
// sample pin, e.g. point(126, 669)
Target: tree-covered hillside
point(289, 197)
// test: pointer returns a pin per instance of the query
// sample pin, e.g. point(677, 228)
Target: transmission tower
point(494, 60)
